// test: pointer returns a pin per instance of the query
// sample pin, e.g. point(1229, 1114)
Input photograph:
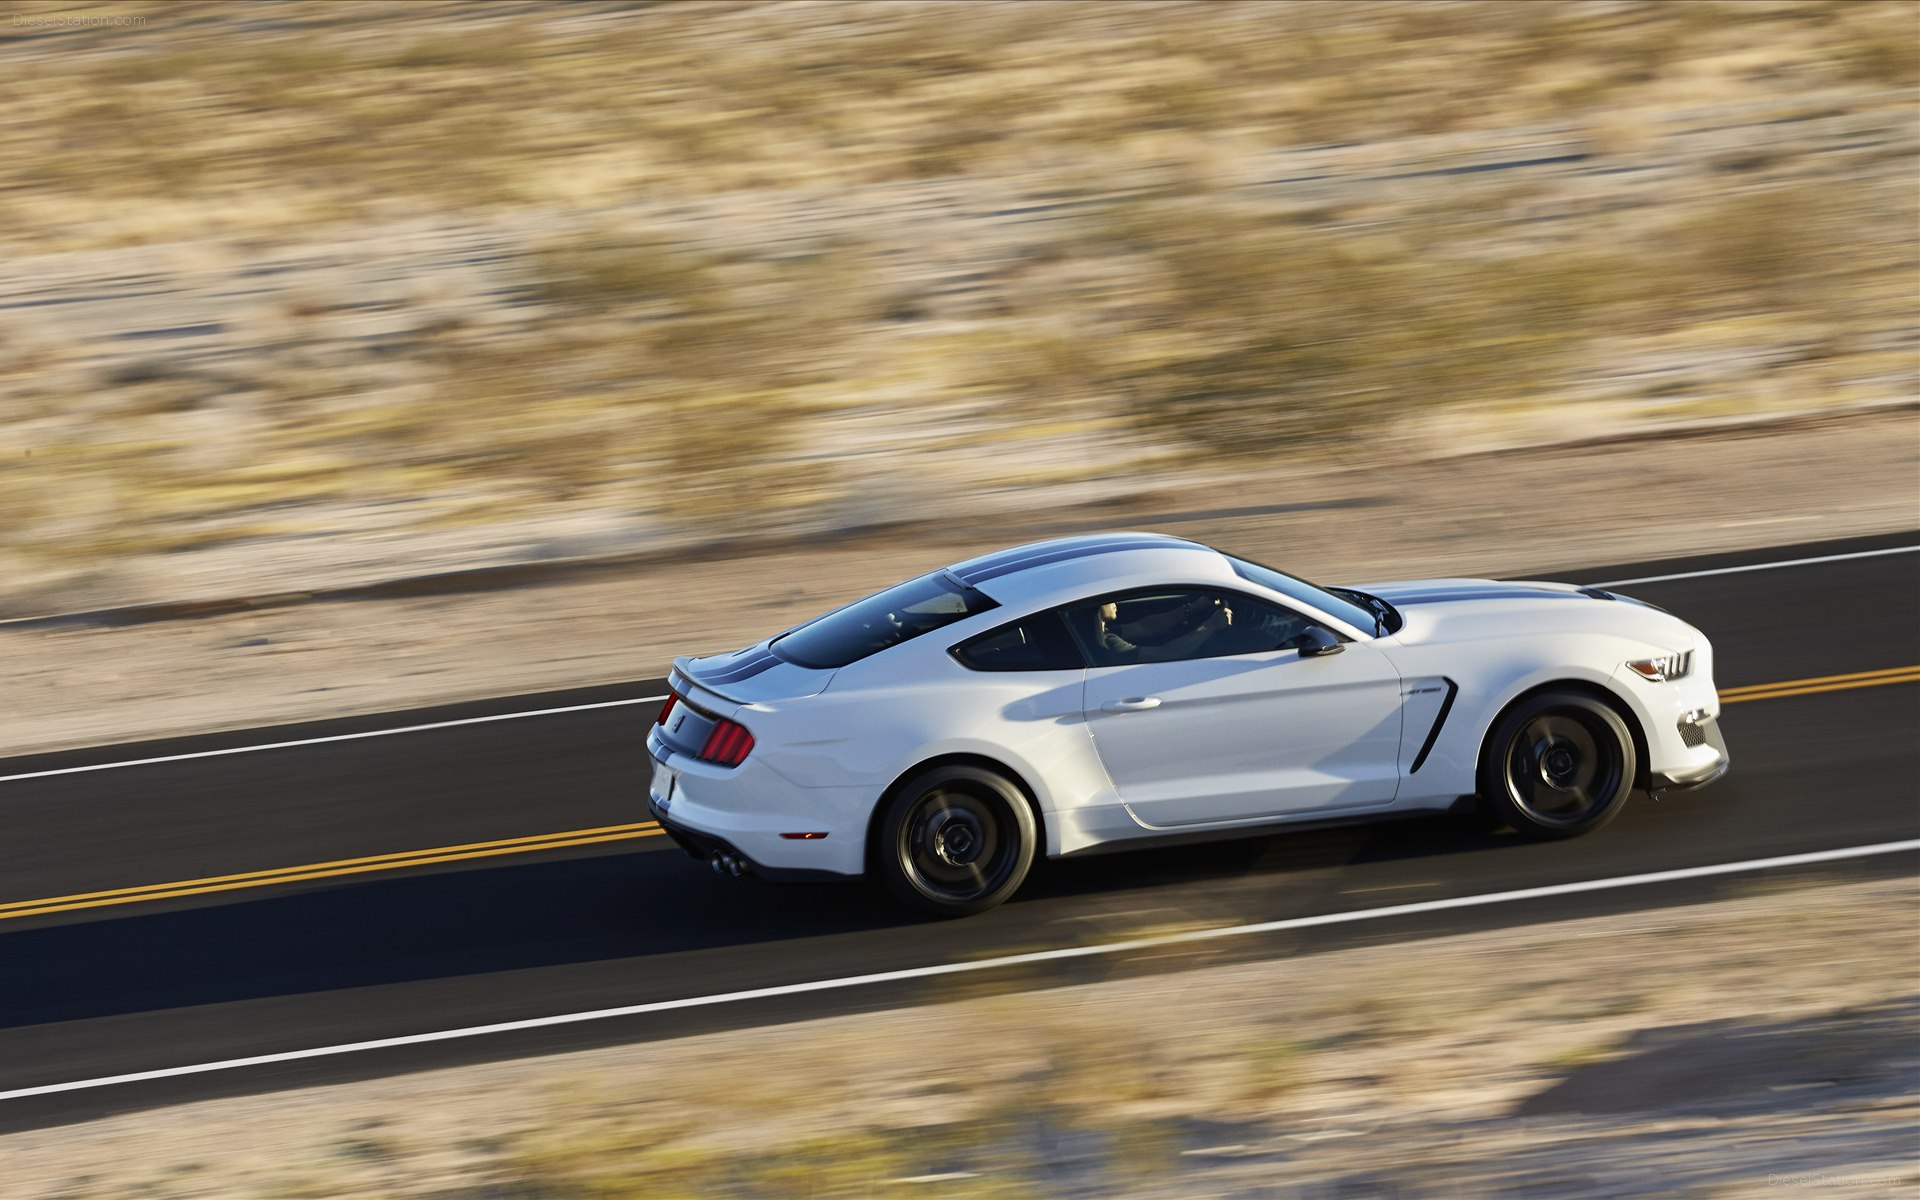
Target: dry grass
point(470, 106)
point(1258, 335)
point(660, 316)
point(474, 105)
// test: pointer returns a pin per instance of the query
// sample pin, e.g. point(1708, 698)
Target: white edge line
point(1037, 956)
point(548, 712)
point(1766, 566)
point(337, 737)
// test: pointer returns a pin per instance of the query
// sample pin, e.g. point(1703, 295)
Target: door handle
point(1131, 704)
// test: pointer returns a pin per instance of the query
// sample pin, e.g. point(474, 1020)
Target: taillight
point(673, 698)
point(728, 745)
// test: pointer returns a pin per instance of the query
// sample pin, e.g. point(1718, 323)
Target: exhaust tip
point(736, 866)
point(714, 862)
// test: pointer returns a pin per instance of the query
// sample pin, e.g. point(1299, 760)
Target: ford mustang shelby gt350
point(1108, 691)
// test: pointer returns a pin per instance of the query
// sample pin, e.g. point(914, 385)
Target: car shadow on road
point(429, 925)
point(663, 920)
point(1276, 858)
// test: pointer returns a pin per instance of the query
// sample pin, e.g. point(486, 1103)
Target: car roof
point(1072, 567)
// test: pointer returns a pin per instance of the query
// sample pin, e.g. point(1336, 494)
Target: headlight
point(1664, 667)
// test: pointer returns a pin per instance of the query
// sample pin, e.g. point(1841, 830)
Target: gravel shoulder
point(1757, 1046)
point(1491, 514)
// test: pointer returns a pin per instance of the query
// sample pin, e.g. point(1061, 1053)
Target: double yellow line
point(328, 870)
point(1824, 683)
point(644, 829)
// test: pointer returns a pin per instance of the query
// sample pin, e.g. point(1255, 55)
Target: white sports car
point(1117, 690)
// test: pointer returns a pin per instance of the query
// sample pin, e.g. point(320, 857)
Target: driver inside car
point(1162, 637)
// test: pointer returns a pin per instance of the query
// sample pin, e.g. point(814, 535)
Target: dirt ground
point(1531, 509)
point(1758, 1046)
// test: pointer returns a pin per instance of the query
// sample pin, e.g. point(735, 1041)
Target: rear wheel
point(1557, 765)
point(956, 840)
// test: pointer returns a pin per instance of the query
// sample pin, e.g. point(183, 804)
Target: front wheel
point(1557, 765)
point(956, 840)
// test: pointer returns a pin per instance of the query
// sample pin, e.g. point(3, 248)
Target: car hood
point(1465, 591)
point(753, 675)
point(1472, 609)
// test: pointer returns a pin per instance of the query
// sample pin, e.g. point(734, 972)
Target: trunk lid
point(754, 675)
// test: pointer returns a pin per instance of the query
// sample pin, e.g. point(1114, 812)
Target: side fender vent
point(1439, 719)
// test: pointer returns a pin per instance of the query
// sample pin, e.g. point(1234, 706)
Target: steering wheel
point(1279, 630)
point(1195, 621)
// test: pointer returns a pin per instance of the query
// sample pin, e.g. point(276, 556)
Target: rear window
point(1039, 643)
point(884, 619)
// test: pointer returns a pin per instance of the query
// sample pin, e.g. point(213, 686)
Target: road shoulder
point(1727, 1047)
point(1484, 515)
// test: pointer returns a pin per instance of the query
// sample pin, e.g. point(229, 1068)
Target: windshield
point(865, 627)
point(1306, 593)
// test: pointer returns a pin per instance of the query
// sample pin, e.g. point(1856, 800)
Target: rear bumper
point(704, 846)
point(756, 815)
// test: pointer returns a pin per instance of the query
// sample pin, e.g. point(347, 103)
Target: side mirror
point(1315, 642)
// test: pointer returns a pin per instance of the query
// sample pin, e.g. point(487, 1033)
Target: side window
point(1039, 643)
point(1171, 625)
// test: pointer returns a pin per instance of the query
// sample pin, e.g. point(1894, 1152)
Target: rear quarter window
point(1038, 643)
point(866, 627)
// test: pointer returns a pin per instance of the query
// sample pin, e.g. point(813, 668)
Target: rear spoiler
point(687, 684)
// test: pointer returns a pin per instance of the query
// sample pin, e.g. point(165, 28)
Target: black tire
point(956, 840)
point(1557, 765)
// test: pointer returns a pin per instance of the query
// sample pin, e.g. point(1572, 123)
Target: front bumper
point(1681, 721)
point(1662, 783)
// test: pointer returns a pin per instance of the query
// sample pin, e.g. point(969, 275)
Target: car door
point(1199, 726)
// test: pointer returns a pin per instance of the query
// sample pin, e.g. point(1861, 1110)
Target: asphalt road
point(97, 987)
